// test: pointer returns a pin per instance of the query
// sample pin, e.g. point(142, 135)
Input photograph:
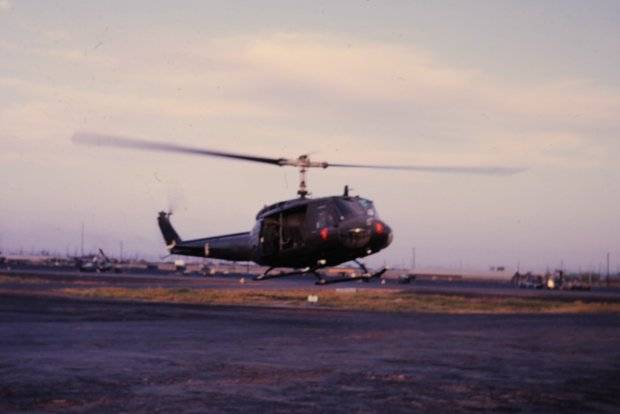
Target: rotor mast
point(303, 162)
point(303, 174)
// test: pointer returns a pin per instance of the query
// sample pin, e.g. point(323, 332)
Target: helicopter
point(304, 234)
point(99, 262)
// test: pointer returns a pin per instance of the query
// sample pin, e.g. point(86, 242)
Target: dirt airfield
point(61, 351)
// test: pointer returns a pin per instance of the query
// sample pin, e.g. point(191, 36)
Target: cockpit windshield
point(351, 207)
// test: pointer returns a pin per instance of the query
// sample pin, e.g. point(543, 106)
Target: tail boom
point(234, 247)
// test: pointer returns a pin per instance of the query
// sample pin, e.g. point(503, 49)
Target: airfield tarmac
point(59, 278)
point(60, 354)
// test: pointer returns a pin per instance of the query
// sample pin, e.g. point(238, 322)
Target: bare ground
point(67, 355)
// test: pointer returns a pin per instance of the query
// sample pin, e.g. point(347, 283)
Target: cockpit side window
point(368, 206)
point(324, 216)
point(355, 207)
point(346, 209)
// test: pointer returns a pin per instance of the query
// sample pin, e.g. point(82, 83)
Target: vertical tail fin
point(103, 255)
point(170, 235)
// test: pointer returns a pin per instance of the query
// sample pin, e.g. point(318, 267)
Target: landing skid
point(267, 276)
point(366, 277)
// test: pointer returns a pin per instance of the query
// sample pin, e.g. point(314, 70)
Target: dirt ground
point(68, 355)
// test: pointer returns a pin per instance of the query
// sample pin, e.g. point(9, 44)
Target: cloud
point(303, 86)
point(5, 5)
point(402, 75)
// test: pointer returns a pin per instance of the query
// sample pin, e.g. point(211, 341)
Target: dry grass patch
point(391, 300)
point(21, 280)
point(200, 296)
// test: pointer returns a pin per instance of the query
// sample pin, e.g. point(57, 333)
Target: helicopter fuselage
point(296, 233)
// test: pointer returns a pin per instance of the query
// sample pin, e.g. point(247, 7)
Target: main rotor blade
point(124, 142)
point(93, 139)
point(483, 170)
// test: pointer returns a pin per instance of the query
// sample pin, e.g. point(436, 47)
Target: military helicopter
point(305, 234)
point(99, 262)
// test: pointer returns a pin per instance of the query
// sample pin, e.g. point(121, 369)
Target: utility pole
point(82, 241)
point(413, 259)
point(121, 252)
point(607, 269)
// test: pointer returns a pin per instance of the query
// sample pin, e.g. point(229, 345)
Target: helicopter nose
point(381, 235)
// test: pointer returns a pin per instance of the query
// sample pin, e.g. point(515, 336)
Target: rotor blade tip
point(80, 137)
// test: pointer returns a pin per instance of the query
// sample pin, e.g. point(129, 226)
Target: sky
point(532, 84)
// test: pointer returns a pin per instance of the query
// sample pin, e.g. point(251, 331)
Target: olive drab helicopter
point(305, 234)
